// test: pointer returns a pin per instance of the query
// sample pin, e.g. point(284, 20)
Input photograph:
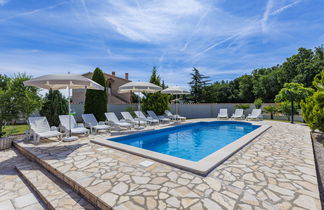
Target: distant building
point(113, 83)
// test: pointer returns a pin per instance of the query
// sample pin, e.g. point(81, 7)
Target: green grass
point(18, 129)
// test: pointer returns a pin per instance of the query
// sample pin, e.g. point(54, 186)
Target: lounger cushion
point(101, 127)
point(79, 130)
point(49, 134)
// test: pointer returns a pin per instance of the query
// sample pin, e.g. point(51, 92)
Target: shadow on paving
point(318, 147)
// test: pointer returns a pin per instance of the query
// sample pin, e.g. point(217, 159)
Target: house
point(113, 83)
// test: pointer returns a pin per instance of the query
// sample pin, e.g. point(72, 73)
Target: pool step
point(55, 193)
point(72, 183)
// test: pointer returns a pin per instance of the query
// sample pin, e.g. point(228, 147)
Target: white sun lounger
point(41, 129)
point(141, 116)
point(168, 114)
point(238, 114)
point(255, 114)
point(75, 128)
point(160, 118)
point(128, 118)
point(222, 113)
point(113, 121)
point(91, 122)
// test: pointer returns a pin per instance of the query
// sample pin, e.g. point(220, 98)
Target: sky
point(223, 39)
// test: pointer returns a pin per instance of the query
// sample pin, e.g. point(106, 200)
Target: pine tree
point(55, 104)
point(198, 82)
point(96, 100)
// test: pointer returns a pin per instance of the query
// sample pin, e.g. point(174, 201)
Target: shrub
point(96, 100)
point(157, 102)
point(313, 111)
point(313, 106)
point(55, 104)
point(258, 103)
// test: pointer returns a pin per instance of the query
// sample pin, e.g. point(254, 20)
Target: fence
point(209, 110)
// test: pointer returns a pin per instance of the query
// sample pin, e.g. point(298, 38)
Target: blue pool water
point(192, 141)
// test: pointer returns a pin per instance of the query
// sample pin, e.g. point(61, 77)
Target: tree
point(286, 109)
point(96, 100)
point(271, 109)
point(313, 106)
point(8, 110)
point(265, 83)
point(198, 82)
point(245, 88)
point(55, 104)
point(298, 91)
point(17, 100)
point(156, 102)
point(26, 98)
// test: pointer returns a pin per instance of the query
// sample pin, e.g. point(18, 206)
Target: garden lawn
point(17, 129)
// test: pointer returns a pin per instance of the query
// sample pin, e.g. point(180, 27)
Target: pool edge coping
point(201, 167)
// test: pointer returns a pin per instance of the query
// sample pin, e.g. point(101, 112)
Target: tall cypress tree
point(96, 100)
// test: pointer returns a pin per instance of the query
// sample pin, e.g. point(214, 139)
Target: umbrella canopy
point(63, 81)
point(175, 90)
point(144, 87)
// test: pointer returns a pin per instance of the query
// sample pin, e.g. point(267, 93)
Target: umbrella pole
point(176, 104)
point(69, 110)
point(139, 109)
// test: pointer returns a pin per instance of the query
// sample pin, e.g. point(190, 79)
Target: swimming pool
point(197, 146)
point(192, 142)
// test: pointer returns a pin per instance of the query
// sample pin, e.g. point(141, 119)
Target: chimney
point(113, 73)
point(126, 76)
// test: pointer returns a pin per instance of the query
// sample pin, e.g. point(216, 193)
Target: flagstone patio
point(14, 193)
point(275, 171)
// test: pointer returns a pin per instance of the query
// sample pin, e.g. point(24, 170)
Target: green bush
point(313, 111)
point(271, 110)
point(55, 104)
point(157, 102)
point(313, 106)
point(258, 103)
point(96, 100)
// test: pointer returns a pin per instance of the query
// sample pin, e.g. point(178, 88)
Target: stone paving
point(275, 171)
point(14, 193)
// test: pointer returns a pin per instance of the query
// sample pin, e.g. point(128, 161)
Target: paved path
point(275, 171)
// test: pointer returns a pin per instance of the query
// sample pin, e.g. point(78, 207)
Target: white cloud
point(3, 2)
point(151, 20)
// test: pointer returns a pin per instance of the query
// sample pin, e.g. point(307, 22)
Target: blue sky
point(223, 39)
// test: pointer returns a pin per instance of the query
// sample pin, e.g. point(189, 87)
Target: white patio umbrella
point(64, 81)
point(139, 87)
point(175, 90)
